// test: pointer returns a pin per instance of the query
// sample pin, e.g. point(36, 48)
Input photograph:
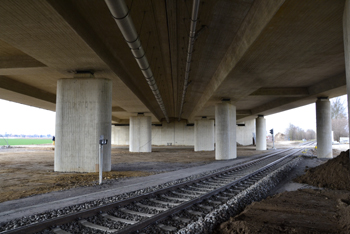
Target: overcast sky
point(304, 117)
point(21, 119)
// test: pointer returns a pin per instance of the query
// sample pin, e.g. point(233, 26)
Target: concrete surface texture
point(83, 114)
point(225, 132)
point(120, 135)
point(244, 134)
point(140, 134)
point(237, 55)
point(346, 37)
point(204, 135)
point(179, 133)
point(260, 133)
point(324, 128)
point(173, 133)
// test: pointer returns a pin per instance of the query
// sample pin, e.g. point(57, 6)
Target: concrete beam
point(329, 87)
point(68, 10)
point(243, 112)
point(328, 84)
point(115, 119)
point(257, 18)
point(290, 92)
point(117, 109)
point(27, 90)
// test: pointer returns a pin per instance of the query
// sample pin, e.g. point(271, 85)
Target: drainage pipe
point(191, 39)
point(120, 13)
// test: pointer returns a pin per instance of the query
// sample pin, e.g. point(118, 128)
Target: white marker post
point(100, 156)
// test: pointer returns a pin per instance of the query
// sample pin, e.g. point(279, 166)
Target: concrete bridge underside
point(262, 57)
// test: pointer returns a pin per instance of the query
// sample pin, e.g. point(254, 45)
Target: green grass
point(25, 141)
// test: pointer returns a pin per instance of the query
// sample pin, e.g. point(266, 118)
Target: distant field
point(25, 141)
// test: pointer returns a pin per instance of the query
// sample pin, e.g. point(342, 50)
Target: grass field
point(25, 141)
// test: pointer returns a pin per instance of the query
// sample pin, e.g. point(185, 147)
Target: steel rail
point(39, 226)
point(185, 205)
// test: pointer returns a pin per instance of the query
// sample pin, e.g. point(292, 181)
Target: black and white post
point(100, 156)
point(273, 139)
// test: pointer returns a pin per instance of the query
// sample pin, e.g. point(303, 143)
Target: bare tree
point(291, 132)
point(339, 119)
point(338, 110)
point(296, 133)
point(310, 134)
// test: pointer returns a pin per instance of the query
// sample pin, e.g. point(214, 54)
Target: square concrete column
point(204, 135)
point(225, 128)
point(260, 133)
point(324, 128)
point(140, 134)
point(83, 113)
point(346, 36)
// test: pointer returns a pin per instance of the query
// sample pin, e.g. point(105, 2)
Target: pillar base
point(140, 134)
point(260, 133)
point(83, 114)
point(225, 124)
point(324, 128)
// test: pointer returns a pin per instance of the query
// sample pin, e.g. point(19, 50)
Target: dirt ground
point(27, 171)
point(302, 211)
point(323, 210)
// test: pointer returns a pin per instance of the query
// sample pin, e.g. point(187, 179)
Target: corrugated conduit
point(120, 13)
point(191, 39)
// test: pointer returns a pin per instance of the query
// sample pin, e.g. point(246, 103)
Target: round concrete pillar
point(140, 134)
point(225, 128)
point(324, 128)
point(83, 114)
point(204, 135)
point(260, 133)
point(346, 39)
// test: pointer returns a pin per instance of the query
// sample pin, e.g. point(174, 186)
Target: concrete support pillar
point(204, 135)
point(140, 134)
point(324, 128)
point(260, 133)
point(225, 126)
point(83, 113)
point(346, 39)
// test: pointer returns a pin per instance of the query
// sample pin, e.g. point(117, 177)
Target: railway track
point(167, 210)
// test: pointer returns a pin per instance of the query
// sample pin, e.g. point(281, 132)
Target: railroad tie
point(135, 212)
point(96, 227)
point(167, 228)
point(116, 219)
point(151, 207)
point(59, 231)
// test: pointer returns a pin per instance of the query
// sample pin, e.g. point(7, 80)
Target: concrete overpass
point(262, 57)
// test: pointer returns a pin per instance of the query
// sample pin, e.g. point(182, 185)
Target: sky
point(17, 118)
point(303, 117)
point(22, 119)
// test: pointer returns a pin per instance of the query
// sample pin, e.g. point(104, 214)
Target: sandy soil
point(26, 171)
point(302, 211)
point(323, 210)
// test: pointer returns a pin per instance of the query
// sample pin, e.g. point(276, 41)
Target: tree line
point(339, 124)
point(296, 133)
